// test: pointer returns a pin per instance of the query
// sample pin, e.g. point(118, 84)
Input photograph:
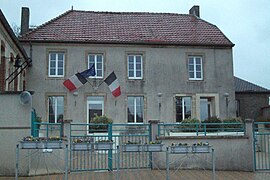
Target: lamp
point(18, 62)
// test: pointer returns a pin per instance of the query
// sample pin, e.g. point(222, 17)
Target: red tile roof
point(128, 28)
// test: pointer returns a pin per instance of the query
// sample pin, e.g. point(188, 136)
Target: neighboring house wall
point(15, 122)
point(250, 104)
point(165, 70)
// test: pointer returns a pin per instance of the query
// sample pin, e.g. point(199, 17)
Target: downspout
point(31, 54)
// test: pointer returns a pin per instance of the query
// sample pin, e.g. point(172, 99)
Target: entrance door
point(95, 107)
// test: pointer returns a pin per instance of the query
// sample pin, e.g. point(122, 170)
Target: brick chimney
point(25, 20)
point(195, 10)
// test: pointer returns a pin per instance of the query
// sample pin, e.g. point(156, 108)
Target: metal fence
point(201, 129)
point(46, 129)
point(261, 145)
point(106, 160)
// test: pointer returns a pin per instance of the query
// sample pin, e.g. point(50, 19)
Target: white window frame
point(95, 59)
point(183, 105)
point(135, 110)
point(94, 102)
point(56, 64)
point(134, 66)
point(55, 107)
point(194, 68)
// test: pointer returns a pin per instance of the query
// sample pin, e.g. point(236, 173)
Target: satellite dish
point(25, 97)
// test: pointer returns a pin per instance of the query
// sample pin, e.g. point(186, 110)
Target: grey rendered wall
point(165, 71)
point(14, 125)
point(234, 153)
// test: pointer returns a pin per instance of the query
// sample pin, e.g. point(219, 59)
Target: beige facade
point(165, 73)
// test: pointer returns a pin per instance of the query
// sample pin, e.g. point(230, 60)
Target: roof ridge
point(46, 23)
point(112, 12)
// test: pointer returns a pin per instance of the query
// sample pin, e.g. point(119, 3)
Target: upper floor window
point(135, 109)
point(97, 60)
point(56, 64)
point(135, 67)
point(195, 68)
point(55, 108)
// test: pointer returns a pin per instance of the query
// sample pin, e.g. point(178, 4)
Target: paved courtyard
point(155, 175)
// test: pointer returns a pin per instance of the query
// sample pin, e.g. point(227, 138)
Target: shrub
point(232, 120)
point(214, 127)
point(102, 122)
point(188, 125)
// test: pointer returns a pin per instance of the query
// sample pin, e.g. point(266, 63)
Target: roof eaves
point(130, 42)
point(13, 37)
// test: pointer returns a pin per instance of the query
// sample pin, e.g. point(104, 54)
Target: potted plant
point(153, 146)
point(104, 145)
point(82, 143)
point(31, 142)
point(132, 147)
point(100, 124)
point(180, 148)
point(201, 147)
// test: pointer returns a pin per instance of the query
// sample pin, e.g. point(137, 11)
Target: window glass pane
point(52, 71)
point(99, 58)
point(52, 56)
point(138, 59)
point(138, 66)
point(198, 75)
point(190, 61)
point(198, 67)
point(203, 109)
point(138, 74)
point(56, 108)
point(99, 73)
point(131, 73)
point(60, 56)
point(130, 59)
point(130, 66)
point(198, 60)
point(191, 75)
point(99, 65)
point(52, 64)
point(191, 68)
point(60, 72)
point(60, 64)
point(130, 109)
point(91, 59)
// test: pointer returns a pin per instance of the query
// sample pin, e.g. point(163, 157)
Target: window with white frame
point(55, 108)
point(95, 107)
point(135, 109)
point(183, 108)
point(56, 64)
point(135, 67)
point(97, 60)
point(195, 69)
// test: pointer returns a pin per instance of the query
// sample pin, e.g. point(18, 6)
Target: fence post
point(249, 132)
point(66, 127)
point(153, 129)
point(153, 132)
point(110, 155)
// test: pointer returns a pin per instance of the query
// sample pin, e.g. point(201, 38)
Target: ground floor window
point(206, 108)
point(95, 107)
point(56, 108)
point(182, 108)
point(135, 108)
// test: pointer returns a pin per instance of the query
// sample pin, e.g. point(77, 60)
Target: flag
point(113, 84)
point(79, 79)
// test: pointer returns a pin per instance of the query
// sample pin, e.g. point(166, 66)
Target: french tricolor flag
point(113, 84)
point(79, 79)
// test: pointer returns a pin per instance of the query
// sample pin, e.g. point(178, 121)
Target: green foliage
point(188, 125)
point(213, 127)
point(102, 122)
point(232, 120)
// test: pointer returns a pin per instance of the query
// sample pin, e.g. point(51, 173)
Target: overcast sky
point(245, 22)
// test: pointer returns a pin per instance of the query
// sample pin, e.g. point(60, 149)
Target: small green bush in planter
point(213, 127)
point(102, 122)
point(232, 120)
point(188, 125)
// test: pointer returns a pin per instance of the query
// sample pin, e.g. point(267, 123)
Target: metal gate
point(107, 160)
point(261, 146)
